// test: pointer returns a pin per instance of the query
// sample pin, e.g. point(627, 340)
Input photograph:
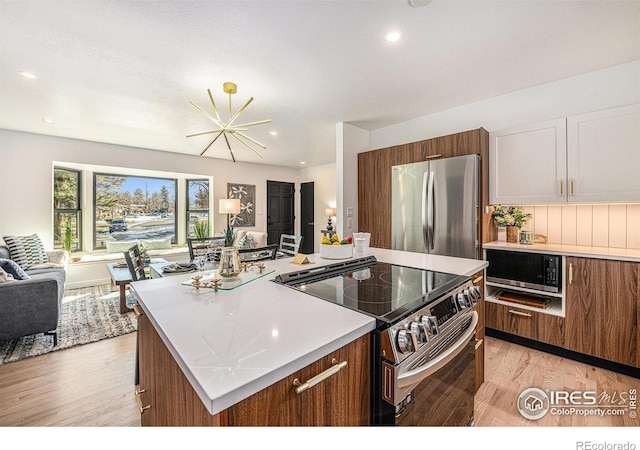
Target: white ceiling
point(125, 72)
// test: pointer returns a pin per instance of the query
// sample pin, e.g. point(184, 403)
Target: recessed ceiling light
point(393, 36)
point(302, 163)
point(29, 75)
point(48, 121)
point(273, 133)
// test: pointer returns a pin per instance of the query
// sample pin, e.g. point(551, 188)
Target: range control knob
point(463, 300)
point(407, 341)
point(476, 290)
point(420, 330)
point(470, 296)
point(431, 324)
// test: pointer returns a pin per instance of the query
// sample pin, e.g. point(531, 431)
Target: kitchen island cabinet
point(230, 357)
point(602, 309)
point(166, 398)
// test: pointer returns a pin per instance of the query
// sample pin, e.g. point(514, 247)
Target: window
point(66, 209)
point(133, 207)
point(197, 208)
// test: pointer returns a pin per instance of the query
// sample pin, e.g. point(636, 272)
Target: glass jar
point(229, 265)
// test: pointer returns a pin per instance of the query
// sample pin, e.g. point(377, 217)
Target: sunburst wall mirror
point(226, 129)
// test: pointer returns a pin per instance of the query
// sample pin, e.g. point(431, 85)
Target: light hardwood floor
point(92, 385)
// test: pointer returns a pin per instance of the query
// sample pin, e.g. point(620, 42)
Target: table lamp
point(229, 206)
point(330, 212)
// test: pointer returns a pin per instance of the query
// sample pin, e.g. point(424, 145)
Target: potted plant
point(513, 219)
point(68, 237)
point(201, 229)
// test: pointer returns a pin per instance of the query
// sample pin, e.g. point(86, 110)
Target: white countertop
point(621, 254)
point(232, 344)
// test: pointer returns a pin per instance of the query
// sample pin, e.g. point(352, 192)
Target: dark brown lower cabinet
point(166, 398)
point(602, 309)
point(525, 323)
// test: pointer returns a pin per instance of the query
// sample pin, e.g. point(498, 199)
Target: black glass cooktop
point(386, 291)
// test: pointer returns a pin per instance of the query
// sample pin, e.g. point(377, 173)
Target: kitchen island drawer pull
point(141, 408)
point(301, 387)
point(519, 313)
point(138, 310)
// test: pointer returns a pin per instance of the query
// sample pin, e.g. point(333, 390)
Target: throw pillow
point(246, 241)
point(12, 268)
point(4, 276)
point(27, 251)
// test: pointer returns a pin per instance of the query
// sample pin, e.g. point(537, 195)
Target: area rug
point(87, 315)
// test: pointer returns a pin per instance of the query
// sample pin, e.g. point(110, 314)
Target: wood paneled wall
point(374, 179)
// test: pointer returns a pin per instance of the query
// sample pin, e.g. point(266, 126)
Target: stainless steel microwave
point(524, 269)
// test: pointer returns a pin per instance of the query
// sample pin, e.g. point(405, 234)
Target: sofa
point(31, 306)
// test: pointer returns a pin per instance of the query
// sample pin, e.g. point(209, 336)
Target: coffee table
point(121, 277)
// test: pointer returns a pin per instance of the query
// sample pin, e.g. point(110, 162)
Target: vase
point(512, 234)
point(229, 266)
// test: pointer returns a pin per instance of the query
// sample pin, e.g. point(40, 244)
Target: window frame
point(57, 237)
point(188, 209)
point(174, 238)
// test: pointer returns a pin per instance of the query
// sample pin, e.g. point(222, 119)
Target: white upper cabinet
point(592, 157)
point(603, 162)
point(527, 164)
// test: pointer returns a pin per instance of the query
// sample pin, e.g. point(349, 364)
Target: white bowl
point(336, 251)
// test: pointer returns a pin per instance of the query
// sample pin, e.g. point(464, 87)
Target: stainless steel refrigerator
point(435, 207)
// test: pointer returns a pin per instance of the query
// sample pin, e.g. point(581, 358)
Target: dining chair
point(209, 246)
point(289, 245)
point(258, 253)
point(135, 263)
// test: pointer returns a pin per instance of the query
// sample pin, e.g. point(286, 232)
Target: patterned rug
point(87, 315)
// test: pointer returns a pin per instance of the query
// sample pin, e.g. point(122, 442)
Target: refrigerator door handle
point(431, 208)
point(425, 211)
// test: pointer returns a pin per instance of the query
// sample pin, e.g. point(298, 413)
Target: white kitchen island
point(232, 344)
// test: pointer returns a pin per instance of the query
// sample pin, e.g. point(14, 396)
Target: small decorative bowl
point(336, 251)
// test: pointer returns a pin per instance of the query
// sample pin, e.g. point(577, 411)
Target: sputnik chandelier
point(228, 128)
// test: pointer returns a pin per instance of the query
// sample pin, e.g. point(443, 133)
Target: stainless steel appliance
point(525, 269)
point(435, 207)
point(423, 359)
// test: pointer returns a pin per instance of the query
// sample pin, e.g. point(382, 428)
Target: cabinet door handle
point(137, 310)
point(561, 188)
point(572, 188)
point(141, 408)
point(477, 280)
point(479, 343)
point(519, 313)
point(570, 273)
point(301, 387)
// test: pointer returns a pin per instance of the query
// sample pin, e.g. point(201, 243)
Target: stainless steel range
point(423, 370)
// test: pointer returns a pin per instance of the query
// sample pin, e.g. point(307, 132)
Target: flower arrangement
point(512, 217)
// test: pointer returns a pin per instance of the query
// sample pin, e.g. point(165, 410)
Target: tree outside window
point(198, 208)
point(66, 209)
point(132, 207)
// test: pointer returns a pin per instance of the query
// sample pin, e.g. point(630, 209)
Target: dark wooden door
point(307, 217)
point(280, 210)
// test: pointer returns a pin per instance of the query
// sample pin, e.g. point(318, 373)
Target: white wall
point(324, 192)
point(26, 176)
point(593, 91)
point(350, 140)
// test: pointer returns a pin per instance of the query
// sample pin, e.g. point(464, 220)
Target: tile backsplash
point(598, 225)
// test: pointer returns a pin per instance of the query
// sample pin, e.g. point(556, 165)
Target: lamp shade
point(330, 212)
point(229, 206)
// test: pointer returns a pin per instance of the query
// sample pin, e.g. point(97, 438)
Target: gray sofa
point(32, 306)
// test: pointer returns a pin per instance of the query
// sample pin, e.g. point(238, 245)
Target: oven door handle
point(413, 377)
